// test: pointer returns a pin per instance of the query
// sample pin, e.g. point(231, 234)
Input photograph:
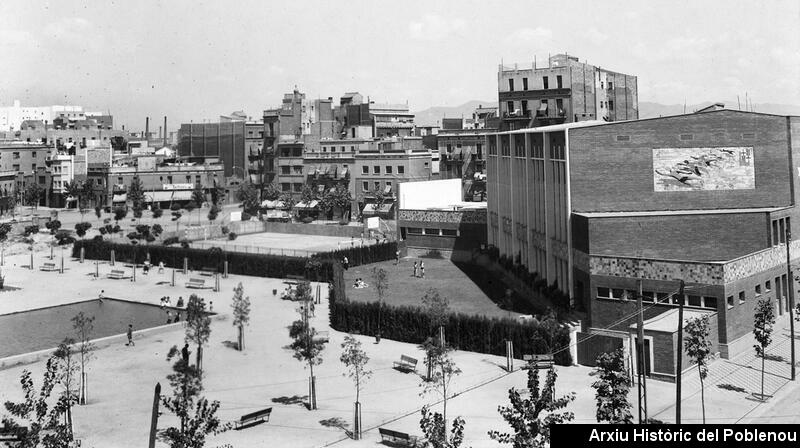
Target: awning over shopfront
point(369, 209)
point(304, 204)
point(165, 196)
point(120, 197)
point(385, 208)
point(272, 204)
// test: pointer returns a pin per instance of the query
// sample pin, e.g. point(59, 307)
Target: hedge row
point(260, 265)
point(471, 333)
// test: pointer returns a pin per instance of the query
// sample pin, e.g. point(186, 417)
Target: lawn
point(405, 289)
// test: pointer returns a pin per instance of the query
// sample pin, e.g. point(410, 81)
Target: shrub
point(225, 230)
point(246, 216)
point(232, 236)
point(30, 230)
point(343, 222)
point(53, 226)
point(103, 230)
point(185, 244)
point(171, 240)
point(307, 220)
point(98, 238)
point(175, 207)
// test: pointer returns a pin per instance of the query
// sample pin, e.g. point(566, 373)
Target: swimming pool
point(43, 328)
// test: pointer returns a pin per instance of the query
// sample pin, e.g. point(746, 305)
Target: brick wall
point(609, 175)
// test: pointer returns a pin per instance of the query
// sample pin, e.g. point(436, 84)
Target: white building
point(11, 117)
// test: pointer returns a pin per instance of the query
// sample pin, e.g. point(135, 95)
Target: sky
point(195, 60)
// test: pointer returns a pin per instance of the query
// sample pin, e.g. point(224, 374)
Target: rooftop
point(717, 211)
point(668, 322)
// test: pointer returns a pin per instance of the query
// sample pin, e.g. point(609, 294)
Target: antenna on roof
point(738, 102)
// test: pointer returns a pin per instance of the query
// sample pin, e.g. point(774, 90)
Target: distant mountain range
point(433, 115)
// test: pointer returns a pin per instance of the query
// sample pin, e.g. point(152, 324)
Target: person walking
point(160, 267)
point(345, 263)
point(397, 257)
point(130, 335)
point(415, 269)
point(422, 269)
point(185, 353)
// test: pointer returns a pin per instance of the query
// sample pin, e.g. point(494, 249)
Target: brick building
point(707, 198)
point(564, 91)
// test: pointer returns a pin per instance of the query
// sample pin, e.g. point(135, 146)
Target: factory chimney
point(147, 127)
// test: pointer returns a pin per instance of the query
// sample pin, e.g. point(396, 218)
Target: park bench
point(389, 436)
point(406, 363)
point(322, 336)
point(208, 271)
point(116, 274)
point(253, 419)
point(49, 267)
point(197, 283)
point(294, 279)
point(538, 361)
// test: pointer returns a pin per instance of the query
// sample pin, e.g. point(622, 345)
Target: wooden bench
point(49, 267)
point(322, 336)
point(406, 363)
point(116, 274)
point(398, 438)
point(538, 361)
point(197, 283)
point(253, 419)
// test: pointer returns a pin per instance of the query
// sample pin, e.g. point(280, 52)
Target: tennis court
point(282, 243)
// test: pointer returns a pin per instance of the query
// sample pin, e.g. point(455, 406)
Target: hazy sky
point(195, 60)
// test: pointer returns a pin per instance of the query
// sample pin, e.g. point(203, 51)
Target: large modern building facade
point(597, 207)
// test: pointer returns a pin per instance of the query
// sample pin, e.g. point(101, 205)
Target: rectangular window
point(365, 169)
point(768, 286)
point(510, 107)
point(687, 137)
point(648, 296)
point(604, 293)
point(559, 81)
point(33, 167)
point(695, 301)
point(401, 169)
point(610, 105)
point(377, 185)
point(610, 85)
point(298, 187)
point(730, 301)
point(741, 297)
point(782, 231)
point(524, 108)
point(389, 169)
point(15, 155)
point(710, 302)
point(774, 232)
point(414, 230)
point(449, 148)
point(662, 297)
point(560, 106)
point(431, 231)
point(449, 232)
point(524, 83)
point(376, 169)
point(623, 138)
point(545, 84)
point(617, 293)
point(365, 186)
point(511, 85)
point(758, 290)
point(284, 170)
point(286, 186)
point(15, 167)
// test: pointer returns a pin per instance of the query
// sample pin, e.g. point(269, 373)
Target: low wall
point(245, 227)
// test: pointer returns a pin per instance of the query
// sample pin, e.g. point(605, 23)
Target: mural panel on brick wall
point(687, 169)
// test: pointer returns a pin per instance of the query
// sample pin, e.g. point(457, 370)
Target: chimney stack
point(147, 127)
point(165, 130)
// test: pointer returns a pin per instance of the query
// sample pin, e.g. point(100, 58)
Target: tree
point(241, 312)
point(81, 228)
point(198, 195)
point(306, 346)
point(763, 321)
point(524, 415)
point(288, 200)
point(33, 194)
point(157, 211)
point(5, 228)
point(698, 348)
point(381, 282)
point(248, 196)
point(197, 415)
point(611, 389)
point(437, 309)
point(66, 373)
point(176, 214)
point(41, 424)
point(84, 326)
point(53, 226)
point(136, 196)
point(120, 213)
point(434, 429)
point(444, 369)
point(198, 327)
point(217, 194)
point(271, 192)
point(156, 230)
point(98, 211)
point(355, 359)
point(213, 212)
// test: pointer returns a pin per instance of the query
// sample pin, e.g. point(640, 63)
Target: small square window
point(741, 297)
point(617, 293)
point(389, 169)
point(376, 169)
point(758, 290)
point(768, 286)
point(603, 293)
point(710, 302)
point(401, 169)
point(730, 301)
point(695, 301)
point(364, 169)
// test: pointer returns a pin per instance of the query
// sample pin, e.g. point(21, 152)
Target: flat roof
point(455, 207)
point(717, 211)
point(668, 322)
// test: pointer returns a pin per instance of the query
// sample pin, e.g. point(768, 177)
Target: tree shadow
point(732, 388)
point(336, 422)
point(771, 357)
point(231, 344)
point(296, 399)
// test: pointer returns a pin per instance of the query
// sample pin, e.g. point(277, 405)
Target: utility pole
point(790, 291)
point(679, 361)
point(641, 364)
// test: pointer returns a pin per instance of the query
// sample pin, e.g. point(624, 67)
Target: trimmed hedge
point(260, 265)
point(471, 333)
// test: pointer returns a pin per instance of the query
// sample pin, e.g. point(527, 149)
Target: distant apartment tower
point(564, 91)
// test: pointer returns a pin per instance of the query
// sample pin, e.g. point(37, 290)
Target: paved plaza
point(121, 378)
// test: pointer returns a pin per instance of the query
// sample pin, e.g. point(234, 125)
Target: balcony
point(254, 157)
point(517, 115)
point(534, 94)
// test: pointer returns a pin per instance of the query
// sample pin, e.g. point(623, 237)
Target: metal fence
point(246, 249)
